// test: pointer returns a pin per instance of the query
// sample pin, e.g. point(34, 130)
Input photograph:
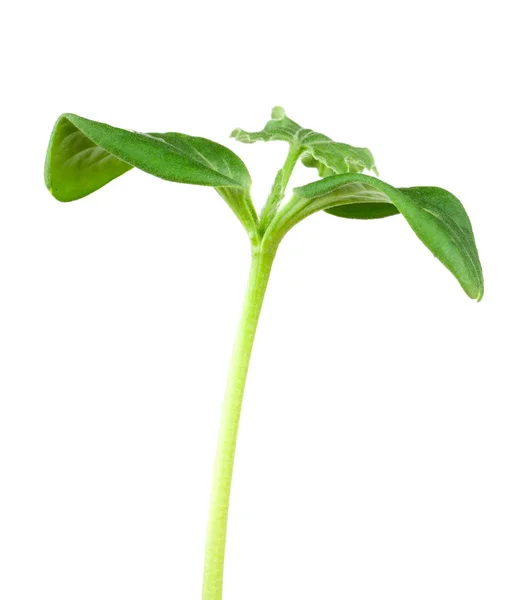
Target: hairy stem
point(278, 189)
point(262, 260)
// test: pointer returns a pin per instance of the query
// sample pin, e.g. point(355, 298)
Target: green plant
point(84, 155)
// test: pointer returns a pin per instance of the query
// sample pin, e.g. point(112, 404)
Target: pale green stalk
point(279, 187)
point(263, 254)
point(262, 259)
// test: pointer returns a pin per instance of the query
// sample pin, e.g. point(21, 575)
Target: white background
point(381, 449)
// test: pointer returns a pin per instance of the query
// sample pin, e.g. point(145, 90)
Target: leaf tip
point(48, 182)
point(278, 113)
point(480, 294)
point(241, 136)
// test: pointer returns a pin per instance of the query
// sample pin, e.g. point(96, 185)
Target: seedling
point(84, 155)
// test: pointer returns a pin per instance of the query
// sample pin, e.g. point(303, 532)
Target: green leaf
point(84, 155)
point(317, 150)
point(435, 215)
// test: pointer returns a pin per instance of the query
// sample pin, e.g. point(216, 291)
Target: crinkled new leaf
point(318, 150)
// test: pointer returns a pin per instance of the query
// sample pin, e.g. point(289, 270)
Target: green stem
point(279, 187)
point(262, 260)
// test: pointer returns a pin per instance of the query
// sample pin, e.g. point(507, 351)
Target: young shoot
point(84, 155)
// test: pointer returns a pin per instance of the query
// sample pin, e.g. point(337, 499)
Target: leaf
point(435, 215)
point(84, 155)
point(317, 150)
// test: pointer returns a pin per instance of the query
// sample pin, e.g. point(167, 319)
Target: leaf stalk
point(278, 189)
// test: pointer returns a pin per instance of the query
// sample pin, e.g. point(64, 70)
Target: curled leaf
point(435, 215)
point(84, 155)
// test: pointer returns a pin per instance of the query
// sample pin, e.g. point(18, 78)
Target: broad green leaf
point(317, 150)
point(435, 215)
point(84, 155)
